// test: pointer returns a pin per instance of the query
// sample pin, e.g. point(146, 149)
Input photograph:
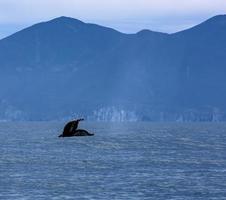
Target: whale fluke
point(71, 130)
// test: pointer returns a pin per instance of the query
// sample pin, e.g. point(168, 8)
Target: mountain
point(65, 68)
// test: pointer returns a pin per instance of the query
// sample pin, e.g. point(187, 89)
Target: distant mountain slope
point(65, 67)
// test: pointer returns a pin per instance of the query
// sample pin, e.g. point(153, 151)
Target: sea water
point(122, 161)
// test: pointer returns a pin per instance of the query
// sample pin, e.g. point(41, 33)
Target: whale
point(78, 132)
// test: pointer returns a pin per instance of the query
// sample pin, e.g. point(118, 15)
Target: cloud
point(27, 10)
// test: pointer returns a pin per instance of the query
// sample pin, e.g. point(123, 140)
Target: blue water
point(122, 161)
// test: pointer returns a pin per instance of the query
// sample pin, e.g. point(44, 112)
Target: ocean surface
point(122, 161)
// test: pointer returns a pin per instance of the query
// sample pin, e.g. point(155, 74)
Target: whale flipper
point(79, 132)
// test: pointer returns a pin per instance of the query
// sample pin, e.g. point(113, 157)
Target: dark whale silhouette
point(71, 130)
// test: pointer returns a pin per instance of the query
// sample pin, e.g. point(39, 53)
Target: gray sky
point(124, 15)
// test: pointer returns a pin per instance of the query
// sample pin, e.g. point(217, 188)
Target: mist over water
point(122, 161)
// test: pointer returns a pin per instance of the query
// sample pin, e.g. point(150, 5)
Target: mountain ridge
point(69, 19)
point(65, 67)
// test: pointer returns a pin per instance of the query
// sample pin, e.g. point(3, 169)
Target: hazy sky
point(123, 15)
